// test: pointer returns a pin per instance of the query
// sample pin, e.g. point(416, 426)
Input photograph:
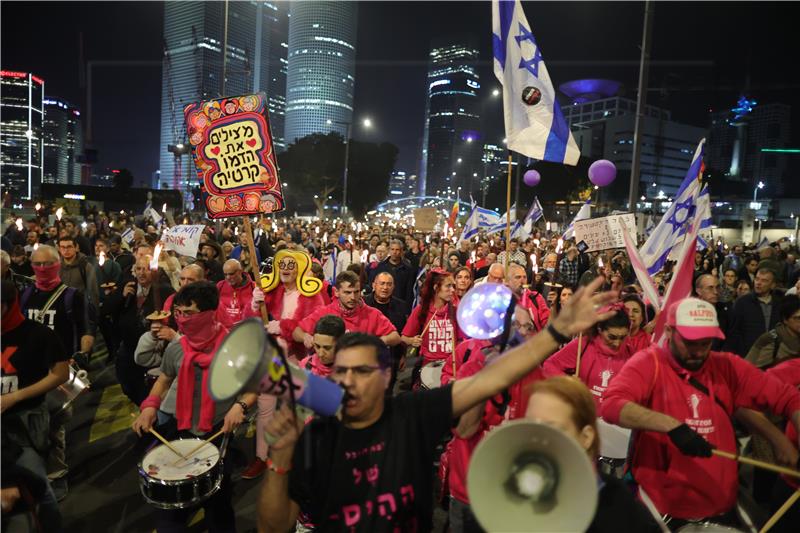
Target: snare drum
point(169, 482)
point(614, 442)
point(707, 527)
point(431, 375)
point(77, 383)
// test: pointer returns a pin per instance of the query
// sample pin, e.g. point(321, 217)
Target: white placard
point(605, 232)
point(183, 239)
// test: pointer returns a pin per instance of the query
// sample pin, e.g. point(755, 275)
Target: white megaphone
point(249, 360)
point(525, 476)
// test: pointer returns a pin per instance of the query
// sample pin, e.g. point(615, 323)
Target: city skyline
point(688, 77)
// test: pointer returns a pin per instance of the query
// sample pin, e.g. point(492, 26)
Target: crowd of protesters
point(388, 301)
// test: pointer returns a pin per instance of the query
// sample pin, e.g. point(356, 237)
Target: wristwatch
point(243, 406)
point(559, 337)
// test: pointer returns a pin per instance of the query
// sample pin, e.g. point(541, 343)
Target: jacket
point(774, 347)
point(306, 305)
point(80, 275)
point(234, 302)
point(747, 323)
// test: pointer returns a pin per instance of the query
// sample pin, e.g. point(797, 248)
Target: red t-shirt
point(598, 364)
point(437, 342)
point(789, 372)
point(680, 485)
point(364, 319)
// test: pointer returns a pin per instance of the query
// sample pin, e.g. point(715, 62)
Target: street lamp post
point(367, 124)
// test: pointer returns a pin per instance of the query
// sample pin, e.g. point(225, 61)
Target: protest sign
point(425, 219)
point(605, 232)
point(183, 239)
point(234, 156)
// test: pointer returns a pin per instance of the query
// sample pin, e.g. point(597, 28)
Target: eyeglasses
point(359, 371)
point(523, 327)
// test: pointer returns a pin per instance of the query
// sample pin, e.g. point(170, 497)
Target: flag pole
point(508, 210)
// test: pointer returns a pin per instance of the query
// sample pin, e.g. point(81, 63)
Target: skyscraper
point(194, 33)
point(451, 146)
point(63, 142)
point(321, 74)
point(21, 115)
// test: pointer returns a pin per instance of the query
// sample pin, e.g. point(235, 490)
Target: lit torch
point(38, 206)
point(59, 213)
point(18, 223)
point(157, 313)
point(533, 262)
point(101, 260)
point(164, 208)
point(364, 256)
point(559, 246)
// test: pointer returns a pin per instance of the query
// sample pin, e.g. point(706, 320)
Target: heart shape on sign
point(215, 150)
point(251, 142)
point(216, 204)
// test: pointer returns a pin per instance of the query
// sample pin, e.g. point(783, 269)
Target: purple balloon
point(602, 172)
point(532, 178)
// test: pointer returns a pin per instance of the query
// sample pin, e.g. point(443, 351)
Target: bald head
point(233, 272)
point(45, 253)
point(496, 273)
point(191, 273)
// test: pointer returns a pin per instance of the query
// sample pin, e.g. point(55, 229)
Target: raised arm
point(580, 313)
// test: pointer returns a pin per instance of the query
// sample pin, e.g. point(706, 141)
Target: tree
point(123, 179)
point(313, 168)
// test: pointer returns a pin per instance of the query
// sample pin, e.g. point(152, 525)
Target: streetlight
point(755, 205)
point(367, 124)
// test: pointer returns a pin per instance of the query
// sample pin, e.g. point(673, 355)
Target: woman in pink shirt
point(602, 354)
point(432, 326)
point(638, 338)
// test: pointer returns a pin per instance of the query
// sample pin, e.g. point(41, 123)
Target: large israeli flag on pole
point(680, 214)
point(535, 126)
point(479, 218)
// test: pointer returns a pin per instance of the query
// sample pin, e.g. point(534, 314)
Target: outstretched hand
point(582, 310)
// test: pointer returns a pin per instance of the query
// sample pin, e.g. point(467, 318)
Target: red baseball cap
point(694, 319)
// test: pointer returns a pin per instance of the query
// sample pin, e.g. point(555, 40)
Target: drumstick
point(199, 446)
point(164, 441)
point(578, 357)
point(756, 462)
point(780, 512)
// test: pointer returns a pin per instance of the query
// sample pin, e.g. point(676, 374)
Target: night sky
point(703, 55)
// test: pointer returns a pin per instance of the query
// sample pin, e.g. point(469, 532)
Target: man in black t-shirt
point(33, 363)
point(393, 308)
point(372, 469)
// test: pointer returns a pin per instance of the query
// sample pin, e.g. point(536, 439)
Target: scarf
point(47, 277)
point(350, 312)
point(13, 317)
point(202, 335)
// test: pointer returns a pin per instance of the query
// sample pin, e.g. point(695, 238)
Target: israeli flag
point(535, 126)
point(524, 230)
point(583, 213)
point(673, 226)
point(479, 218)
point(500, 226)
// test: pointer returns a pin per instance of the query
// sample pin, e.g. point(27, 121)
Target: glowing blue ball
point(482, 311)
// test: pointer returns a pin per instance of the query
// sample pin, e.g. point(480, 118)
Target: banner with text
point(605, 232)
point(184, 240)
point(233, 153)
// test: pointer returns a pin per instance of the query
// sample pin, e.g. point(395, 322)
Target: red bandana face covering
point(47, 277)
point(200, 328)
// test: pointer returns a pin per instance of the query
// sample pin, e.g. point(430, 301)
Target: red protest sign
point(234, 155)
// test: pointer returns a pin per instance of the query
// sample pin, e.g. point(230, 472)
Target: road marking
point(113, 414)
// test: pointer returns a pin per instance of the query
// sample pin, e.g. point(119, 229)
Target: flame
point(600, 262)
point(18, 222)
point(325, 237)
point(36, 246)
point(316, 230)
point(364, 256)
point(164, 208)
point(37, 206)
point(472, 256)
point(101, 260)
point(236, 230)
point(559, 246)
point(156, 255)
point(60, 213)
point(537, 242)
